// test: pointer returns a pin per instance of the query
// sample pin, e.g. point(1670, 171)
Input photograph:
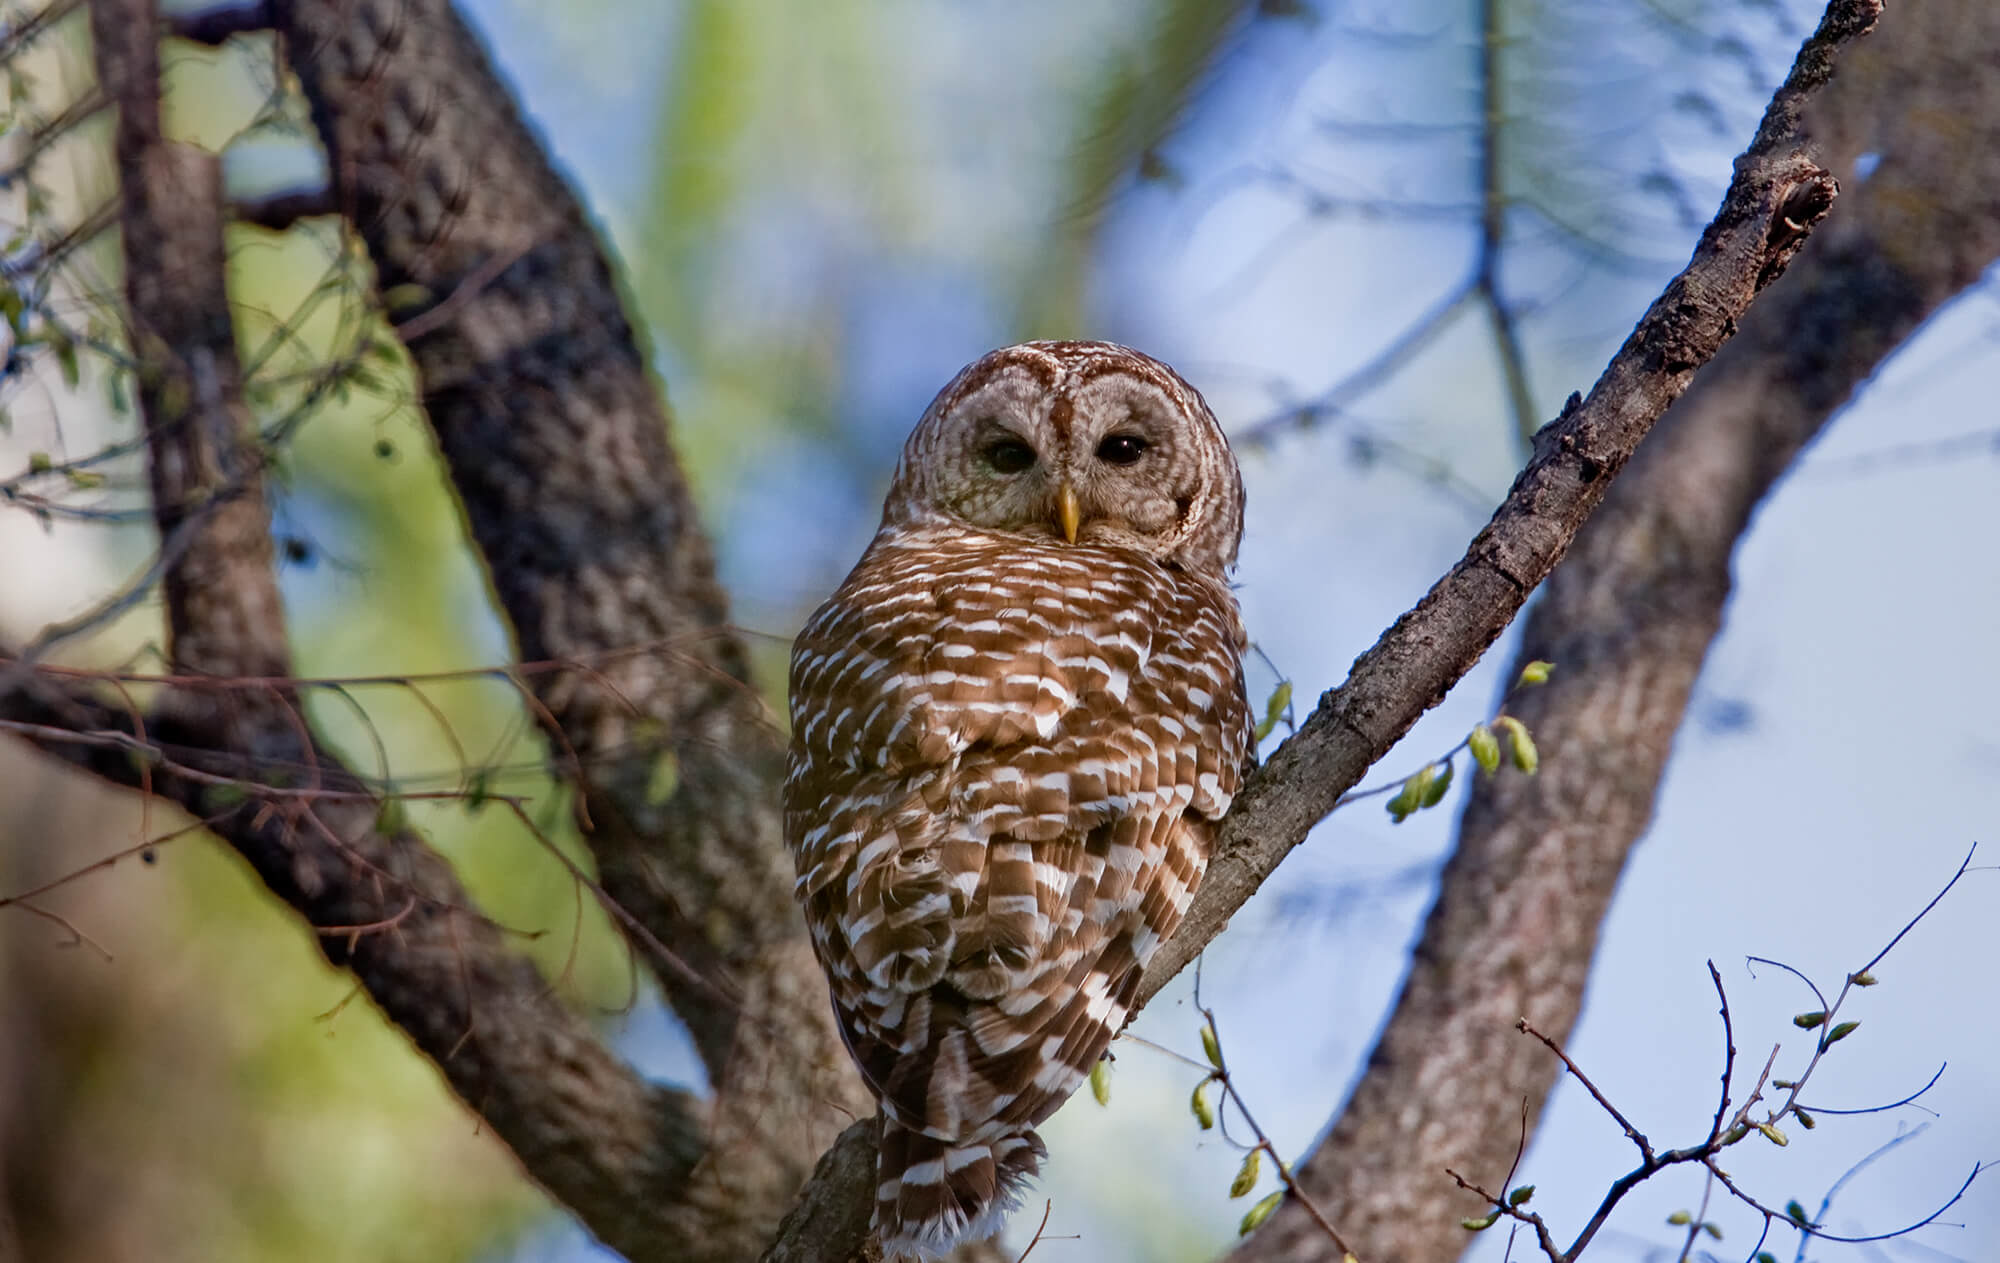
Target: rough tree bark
point(556, 440)
point(557, 444)
point(1628, 618)
point(387, 907)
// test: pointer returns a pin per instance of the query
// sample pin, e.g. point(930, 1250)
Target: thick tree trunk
point(1627, 618)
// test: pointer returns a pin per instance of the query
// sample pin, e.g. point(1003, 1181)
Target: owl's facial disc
point(1083, 442)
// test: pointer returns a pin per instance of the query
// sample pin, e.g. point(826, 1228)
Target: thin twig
point(1631, 1133)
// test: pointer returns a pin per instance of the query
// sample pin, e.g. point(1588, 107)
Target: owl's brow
point(1062, 409)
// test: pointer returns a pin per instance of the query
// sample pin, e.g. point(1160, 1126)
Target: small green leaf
point(391, 818)
point(1259, 1213)
point(1680, 1219)
point(1100, 1081)
point(1485, 749)
point(1536, 672)
point(1806, 1120)
point(1521, 746)
point(1410, 799)
point(1211, 1047)
point(219, 798)
point(1783, 1084)
point(1204, 1113)
point(1840, 1032)
point(1807, 1021)
point(1713, 1230)
point(1246, 1175)
point(40, 462)
point(1439, 787)
point(84, 479)
point(1480, 1224)
point(1520, 1196)
point(1765, 1256)
point(1863, 979)
point(1772, 1134)
point(1797, 1214)
point(401, 298)
point(65, 349)
point(1274, 709)
point(665, 780)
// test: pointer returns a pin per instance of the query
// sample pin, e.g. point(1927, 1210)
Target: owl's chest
point(926, 657)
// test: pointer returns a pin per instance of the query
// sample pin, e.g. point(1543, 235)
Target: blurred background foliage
point(823, 210)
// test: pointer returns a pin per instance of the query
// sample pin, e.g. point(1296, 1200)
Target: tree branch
point(386, 906)
point(1576, 458)
point(1628, 618)
point(557, 443)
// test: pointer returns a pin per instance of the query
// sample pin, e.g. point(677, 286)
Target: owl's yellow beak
point(1068, 512)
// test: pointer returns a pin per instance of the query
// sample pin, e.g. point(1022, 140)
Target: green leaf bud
point(1485, 749)
point(1246, 1175)
point(1259, 1213)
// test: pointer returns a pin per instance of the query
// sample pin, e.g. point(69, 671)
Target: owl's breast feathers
point(1008, 756)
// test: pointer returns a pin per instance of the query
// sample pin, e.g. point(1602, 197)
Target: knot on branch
point(1801, 204)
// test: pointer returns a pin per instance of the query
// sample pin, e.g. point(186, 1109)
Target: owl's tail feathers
point(932, 1194)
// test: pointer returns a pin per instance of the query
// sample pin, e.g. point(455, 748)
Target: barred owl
point(1015, 728)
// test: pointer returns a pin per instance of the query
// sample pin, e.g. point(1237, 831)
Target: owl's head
point(1087, 442)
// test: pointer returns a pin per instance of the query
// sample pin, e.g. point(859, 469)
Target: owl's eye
point(1121, 449)
point(1009, 456)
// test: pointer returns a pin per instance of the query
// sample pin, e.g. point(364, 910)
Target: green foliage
point(1257, 1214)
point(1199, 1104)
point(1485, 748)
point(1274, 708)
point(1246, 1175)
point(1520, 745)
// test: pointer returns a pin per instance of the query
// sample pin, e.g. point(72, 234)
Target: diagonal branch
point(1778, 192)
point(1628, 618)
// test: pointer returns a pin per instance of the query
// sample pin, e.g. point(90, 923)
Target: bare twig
point(1220, 1074)
point(1727, 1129)
point(1493, 225)
point(1625, 1124)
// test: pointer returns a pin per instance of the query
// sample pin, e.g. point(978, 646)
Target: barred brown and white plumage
point(1015, 727)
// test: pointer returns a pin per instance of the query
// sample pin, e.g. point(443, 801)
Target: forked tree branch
point(383, 904)
point(557, 442)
